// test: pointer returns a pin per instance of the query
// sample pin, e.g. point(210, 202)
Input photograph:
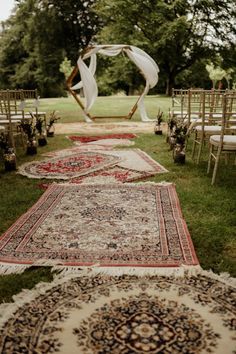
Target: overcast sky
point(5, 8)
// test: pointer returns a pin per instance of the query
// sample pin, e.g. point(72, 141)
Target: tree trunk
point(170, 83)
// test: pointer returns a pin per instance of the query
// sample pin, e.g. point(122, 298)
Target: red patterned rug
point(99, 166)
point(87, 139)
point(119, 225)
point(66, 167)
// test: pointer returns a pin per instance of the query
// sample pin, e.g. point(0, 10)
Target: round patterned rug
point(123, 315)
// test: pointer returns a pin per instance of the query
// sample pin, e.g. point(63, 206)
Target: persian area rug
point(69, 166)
point(122, 315)
point(138, 160)
point(134, 164)
point(115, 174)
point(119, 225)
point(87, 139)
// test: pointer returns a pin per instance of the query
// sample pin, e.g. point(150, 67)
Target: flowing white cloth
point(143, 61)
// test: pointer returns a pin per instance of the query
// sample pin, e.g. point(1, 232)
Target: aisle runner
point(94, 315)
point(119, 225)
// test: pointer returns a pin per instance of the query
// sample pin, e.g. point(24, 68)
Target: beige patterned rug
point(112, 225)
point(122, 315)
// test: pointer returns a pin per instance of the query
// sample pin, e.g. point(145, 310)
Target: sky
point(5, 8)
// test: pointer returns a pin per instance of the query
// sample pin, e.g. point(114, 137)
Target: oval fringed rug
point(66, 167)
point(122, 315)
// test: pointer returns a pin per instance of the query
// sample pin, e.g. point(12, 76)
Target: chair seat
point(209, 129)
point(229, 142)
point(6, 121)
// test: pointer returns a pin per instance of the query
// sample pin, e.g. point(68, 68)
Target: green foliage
point(38, 37)
point(216, 73)
point(176, 33)
point(66, 67)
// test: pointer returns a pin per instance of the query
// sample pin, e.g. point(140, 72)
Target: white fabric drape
point(143, 61)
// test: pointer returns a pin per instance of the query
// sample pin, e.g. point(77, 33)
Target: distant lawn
point(70, 111)
point(210, 212)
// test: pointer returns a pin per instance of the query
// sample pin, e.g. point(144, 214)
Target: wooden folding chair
point(209, 120)
point(225, 142)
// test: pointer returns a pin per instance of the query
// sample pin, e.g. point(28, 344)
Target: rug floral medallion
point(104, 225)
point(124, 315)
point(65, 167)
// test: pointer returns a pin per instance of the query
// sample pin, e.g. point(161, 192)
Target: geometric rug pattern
point(124, 315)
point(112, 225)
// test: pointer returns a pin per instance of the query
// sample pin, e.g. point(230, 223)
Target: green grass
point(104, 106)
point(210, 211)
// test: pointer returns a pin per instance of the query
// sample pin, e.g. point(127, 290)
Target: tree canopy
point(181, 35)
point(38, 37)
point(176, 33)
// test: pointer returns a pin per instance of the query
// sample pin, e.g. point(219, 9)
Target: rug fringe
point(9, 268)
point(120, 271)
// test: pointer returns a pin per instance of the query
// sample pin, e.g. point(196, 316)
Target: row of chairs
point(15, 106)
point(210, 116)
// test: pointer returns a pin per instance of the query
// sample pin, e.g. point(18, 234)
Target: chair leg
point(209, 159)
point(216, 166)
point(194, 146)
point(200, 149)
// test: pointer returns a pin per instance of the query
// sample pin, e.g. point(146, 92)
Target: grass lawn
point(104, 106)
point(210, 211)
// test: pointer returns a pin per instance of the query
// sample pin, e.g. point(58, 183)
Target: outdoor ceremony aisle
point(127, 277)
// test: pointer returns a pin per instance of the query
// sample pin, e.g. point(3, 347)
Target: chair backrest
point(31, 100)
point(17, 102)
point(228, 118)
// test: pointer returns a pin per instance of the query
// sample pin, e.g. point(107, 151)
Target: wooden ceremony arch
point(143, 61)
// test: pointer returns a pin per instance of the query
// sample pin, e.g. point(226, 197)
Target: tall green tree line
point(38, 36)
point(181, 35)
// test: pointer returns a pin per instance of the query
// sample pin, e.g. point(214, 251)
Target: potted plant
point(180, 136)
point(29, 128)
point(172, 123)
point(50, 126)
point(9, 155)
point(157, 128)
point(42, 141)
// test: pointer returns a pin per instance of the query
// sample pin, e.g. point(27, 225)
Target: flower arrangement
point(39, 127)
point(178, 132)
point(50, 126)
point(4, 143)
point(8, 153)
point(29, 128)
point(157, 128)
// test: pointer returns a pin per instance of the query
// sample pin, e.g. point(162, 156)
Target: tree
point(176, 33)
point(45, 32)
